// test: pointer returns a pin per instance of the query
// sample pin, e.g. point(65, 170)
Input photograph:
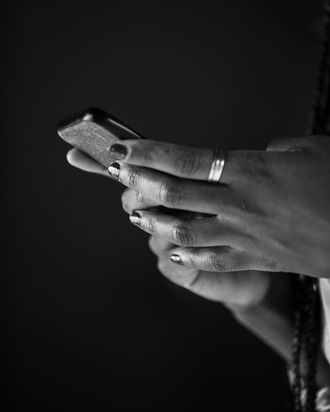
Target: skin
point(240, 290)
point(270, 214)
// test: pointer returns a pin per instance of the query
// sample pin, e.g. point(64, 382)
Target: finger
point(188, 162)
point(161, 247)
point(175, 193)
point(132, 200)
point(292, 144)
point(80, 160)
point(211, 231)
point(215, 259)
point(233, 288)
point(178, 275)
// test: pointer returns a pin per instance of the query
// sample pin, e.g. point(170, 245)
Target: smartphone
point(93, 131)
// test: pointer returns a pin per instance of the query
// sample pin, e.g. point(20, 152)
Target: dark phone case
point(93, 131)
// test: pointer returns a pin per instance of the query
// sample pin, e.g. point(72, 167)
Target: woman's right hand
point(239, 291)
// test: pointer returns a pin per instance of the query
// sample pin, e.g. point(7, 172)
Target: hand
point(241, 292)
point(271, 212)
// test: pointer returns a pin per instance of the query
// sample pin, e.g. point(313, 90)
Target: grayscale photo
point(166, 192)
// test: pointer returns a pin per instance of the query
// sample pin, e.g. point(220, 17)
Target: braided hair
point(306, 340)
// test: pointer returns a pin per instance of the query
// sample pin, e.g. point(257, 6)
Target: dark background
point(89, 324)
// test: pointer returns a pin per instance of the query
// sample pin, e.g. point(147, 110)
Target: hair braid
point(306, 342)
point(297, 348)
point(311, 340)
point(320, 107)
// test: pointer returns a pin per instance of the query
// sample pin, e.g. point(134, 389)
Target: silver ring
point(217, 166)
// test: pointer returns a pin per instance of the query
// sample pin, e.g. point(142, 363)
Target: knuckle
point(169, 194)
point(140, 149)
point(257, 169)
point(183, 235)
point(151, 225)
point(148, 151)
point(247, 206)
point(216, 263)
point(145, 150)
point(132, 177)
point(260, 167)
point(187, 163)
point(139, 197)
point(244, 206)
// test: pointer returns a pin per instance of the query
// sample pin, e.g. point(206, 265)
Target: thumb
point(78, 159)
point(289, 144)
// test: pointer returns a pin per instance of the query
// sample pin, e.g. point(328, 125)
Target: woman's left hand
point(271, 211)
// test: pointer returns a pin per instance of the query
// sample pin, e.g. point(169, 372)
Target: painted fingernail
point(176, 259)
point(114, 170)
point(139, 197)
point(118, 150)
point(135, 218)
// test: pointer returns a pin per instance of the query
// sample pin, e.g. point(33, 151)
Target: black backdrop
point(89, 324)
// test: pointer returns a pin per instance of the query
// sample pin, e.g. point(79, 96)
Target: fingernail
point(118, 150)
point(114, 170)
point(135, 218)
point(176, 259)
point(139, 197)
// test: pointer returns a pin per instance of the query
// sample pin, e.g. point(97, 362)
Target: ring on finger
point(217, 166)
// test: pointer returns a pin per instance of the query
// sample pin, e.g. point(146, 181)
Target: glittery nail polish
point(176, 259)
point(135, 218)
point(114, 170)
point(139, 197)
